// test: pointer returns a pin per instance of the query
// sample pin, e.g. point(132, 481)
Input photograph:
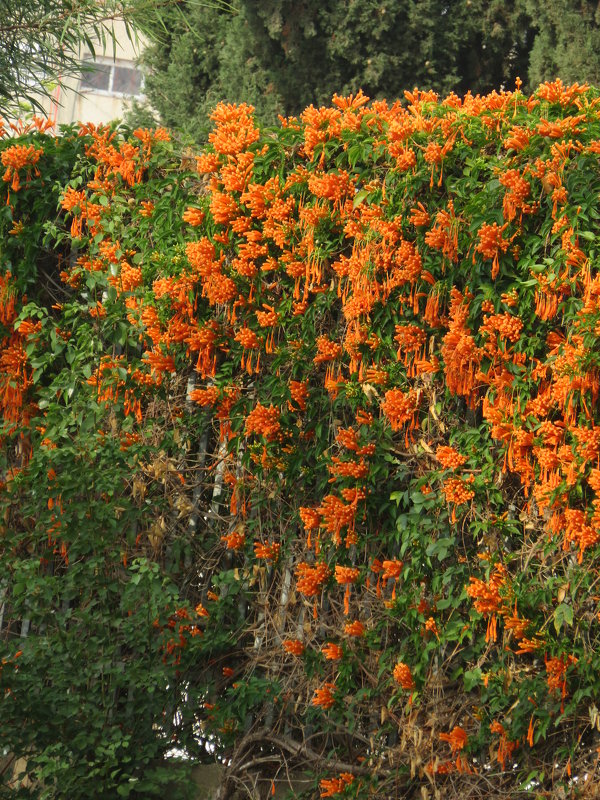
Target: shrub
point(306, 444)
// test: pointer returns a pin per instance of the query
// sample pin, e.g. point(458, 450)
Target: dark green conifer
point(282, 55)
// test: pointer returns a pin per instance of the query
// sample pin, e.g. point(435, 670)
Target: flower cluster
point(263, 421)
point(324, 696)
point(400, 407)
point(332, 786)
point(403, 676)
point(449, 458)
point(310, 579)
point(293, 646)
point(332, 652)
point(19, 157)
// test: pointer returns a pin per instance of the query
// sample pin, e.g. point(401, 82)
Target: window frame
point(113, 65)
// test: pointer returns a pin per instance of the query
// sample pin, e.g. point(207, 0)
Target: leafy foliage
point(302, 455)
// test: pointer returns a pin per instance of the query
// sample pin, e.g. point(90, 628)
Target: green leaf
point(472, 678)
point(563, 615)
point(359, 197)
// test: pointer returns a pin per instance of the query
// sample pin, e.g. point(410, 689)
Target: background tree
point(567, 41)
point(281, 56)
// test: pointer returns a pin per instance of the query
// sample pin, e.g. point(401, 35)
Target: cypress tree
point(281, 55)
point(567, 41)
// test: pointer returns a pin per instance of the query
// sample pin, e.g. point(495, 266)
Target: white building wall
point(92, 98)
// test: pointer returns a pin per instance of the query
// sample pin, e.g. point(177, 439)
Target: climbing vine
point(301, 458)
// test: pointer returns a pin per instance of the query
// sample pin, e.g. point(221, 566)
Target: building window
point(110, 77)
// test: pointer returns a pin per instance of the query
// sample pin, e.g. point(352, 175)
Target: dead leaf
point(370, 391)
